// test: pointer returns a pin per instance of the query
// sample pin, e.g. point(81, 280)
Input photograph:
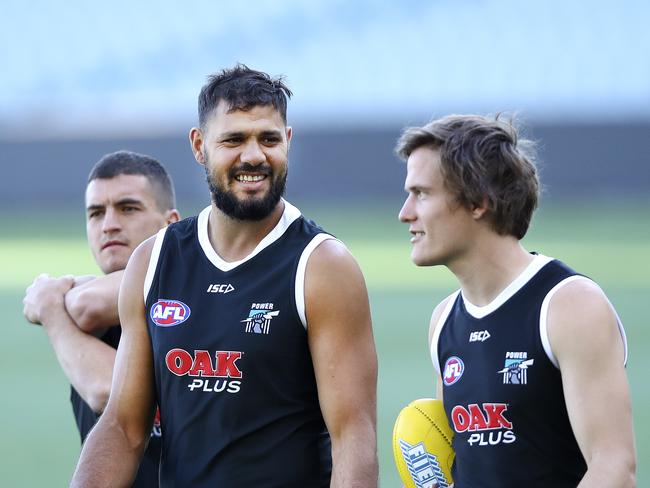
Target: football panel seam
point(447, 439)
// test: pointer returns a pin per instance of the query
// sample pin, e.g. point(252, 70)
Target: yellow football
point(422, 445)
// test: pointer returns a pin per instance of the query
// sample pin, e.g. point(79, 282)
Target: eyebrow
point(119, 203)
point(265, 133)
point(415, 188)
point(231, 134)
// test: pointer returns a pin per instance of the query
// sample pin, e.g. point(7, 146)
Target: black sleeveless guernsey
point(234, 376)
point(502, 389)
point(86, 418)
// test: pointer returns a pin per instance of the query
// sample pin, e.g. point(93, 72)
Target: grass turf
point(40, 445)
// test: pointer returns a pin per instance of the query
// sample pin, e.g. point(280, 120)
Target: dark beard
point(249, 209)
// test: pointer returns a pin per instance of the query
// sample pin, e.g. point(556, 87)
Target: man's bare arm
point(112, 452)
point(345, 362)
point(86, 361)
point(92, 303)
point(587, 344)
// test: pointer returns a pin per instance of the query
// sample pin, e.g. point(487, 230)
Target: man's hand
point(44, 294)
point(86, 361)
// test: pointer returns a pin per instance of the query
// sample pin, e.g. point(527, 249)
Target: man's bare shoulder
point(331, 261)
point(581, 319)
point(141, 256)
point(580, 302)
point(132, 287)
point(331, 249)
point(334, 284)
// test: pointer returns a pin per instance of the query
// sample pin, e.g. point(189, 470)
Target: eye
point(94, 214)
point(420, 194)
point(271, 140)
point(232, 141)
point(129, 209)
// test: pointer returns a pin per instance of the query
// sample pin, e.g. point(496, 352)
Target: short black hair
point(243, 88)
point(132, 163)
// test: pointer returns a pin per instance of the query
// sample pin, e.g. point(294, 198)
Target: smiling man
point(253, 333)
point(129, 198)
point(530, 355)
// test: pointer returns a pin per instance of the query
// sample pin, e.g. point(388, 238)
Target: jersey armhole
point(153, 262)
point(300, 274)
point(543, 321)
point(433, 347)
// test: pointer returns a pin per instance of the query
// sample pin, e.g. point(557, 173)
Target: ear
point(172, 216)
point(480, 210)
point(289, 135)
point(196, 142)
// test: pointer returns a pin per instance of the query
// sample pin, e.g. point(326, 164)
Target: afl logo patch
point(454, 369)
point(168, 313)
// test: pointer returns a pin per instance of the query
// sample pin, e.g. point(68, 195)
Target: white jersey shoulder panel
point(433, 347)
point(153, 261)
point(302, 269)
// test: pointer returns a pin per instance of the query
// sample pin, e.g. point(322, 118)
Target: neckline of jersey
point(478, 312)
point(289, 215)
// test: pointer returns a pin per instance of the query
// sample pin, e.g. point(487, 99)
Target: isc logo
point(220, 288)
point(168, 313)
point(479, 335)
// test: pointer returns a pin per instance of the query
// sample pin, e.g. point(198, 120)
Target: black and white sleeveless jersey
point(502, 388)
point(86, 418)
point(233, 371)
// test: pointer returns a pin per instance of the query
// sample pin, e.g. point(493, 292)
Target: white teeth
point(250, 178)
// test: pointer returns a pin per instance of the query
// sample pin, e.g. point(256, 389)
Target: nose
point(111, 222)
point(406, 213)
point(252, 153)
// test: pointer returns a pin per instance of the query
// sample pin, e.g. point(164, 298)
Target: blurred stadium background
point(85, 79)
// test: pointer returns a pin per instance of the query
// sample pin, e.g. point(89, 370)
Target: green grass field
point(39, 443)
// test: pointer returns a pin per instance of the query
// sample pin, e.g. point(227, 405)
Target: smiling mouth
point(246, 178)
point(415, 235)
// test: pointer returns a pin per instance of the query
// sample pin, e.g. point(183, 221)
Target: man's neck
point(486, 272)
point(233, 239)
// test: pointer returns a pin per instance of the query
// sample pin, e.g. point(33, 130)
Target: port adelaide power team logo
point(259, 318)
point(515, 368)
